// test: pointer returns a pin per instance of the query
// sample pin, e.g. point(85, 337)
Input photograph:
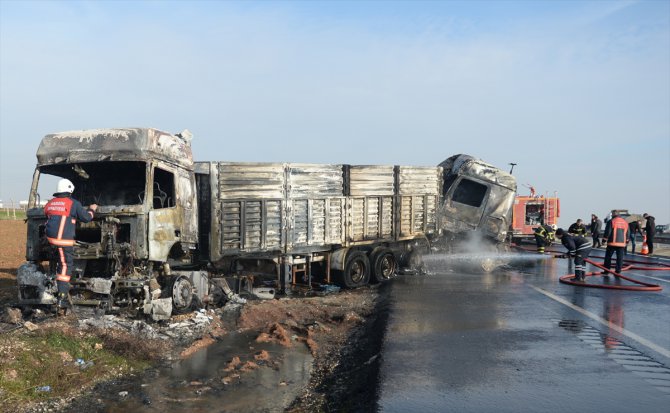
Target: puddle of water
point(649, 375)
point(650, 370)
point(195, 384)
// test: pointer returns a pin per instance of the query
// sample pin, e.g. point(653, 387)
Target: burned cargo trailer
point(169, 230)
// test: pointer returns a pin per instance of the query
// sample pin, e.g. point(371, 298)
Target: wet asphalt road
point(519, 341)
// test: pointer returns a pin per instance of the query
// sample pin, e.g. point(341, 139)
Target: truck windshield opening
point(102, 183)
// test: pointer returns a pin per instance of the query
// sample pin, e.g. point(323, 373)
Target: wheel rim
point(182, 293)
point(488, 264)
point(357, 271)
point(387, 266)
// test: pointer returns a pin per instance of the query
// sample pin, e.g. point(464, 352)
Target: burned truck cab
point(477, 200)
point(143, 183)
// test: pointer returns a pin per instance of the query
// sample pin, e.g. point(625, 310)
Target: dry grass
point(17, 214)
point(48, 357)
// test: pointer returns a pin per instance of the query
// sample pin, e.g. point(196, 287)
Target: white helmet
point(554, 227)
point(65, 185)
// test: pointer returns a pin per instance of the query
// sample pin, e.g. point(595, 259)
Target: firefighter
point(579, 248)
point(62, 213)
point(616, 232)
point(544, 236)
point(577, 228)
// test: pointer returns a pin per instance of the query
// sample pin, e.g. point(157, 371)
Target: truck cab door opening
point(164, 217)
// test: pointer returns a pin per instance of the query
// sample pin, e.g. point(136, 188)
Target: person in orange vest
point(616, 232)
point(62, 214)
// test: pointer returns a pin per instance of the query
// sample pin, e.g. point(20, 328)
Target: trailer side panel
point(315, 198)
point(418, 200)
point(371, 190)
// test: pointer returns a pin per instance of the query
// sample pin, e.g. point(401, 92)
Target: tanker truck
point(170, 232)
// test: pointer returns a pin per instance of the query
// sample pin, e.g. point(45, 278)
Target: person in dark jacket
point(577, 228)
point(650, 230)
point(579, 248)
point(633, 230)
point(596, 229)
point(616, 232)
point(62, 214)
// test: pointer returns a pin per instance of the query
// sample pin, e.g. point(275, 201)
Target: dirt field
point(12, 254)
point(342, 331)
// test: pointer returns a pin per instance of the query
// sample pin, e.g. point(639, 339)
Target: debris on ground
point(12, 316)
point(262, 356)
point(76, 353)
point(275, 333)
point(30, 326)
point(184, 329)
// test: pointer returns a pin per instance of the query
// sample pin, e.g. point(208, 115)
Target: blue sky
point(576, 93)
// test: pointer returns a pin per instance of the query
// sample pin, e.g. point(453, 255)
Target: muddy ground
point(342, 331)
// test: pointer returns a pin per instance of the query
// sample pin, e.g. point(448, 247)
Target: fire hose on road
point(641, 285)
point(630, 265)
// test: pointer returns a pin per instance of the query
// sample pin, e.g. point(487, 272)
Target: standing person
point(544, 236)
point(616, 232)
point(577, 228)
point(650, 230)
point(633, 229)
point(596, 228)
point(62, 213)
point(579, 248)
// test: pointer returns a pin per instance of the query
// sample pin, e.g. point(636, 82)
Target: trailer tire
point(384, 264)
point(356, 271)
point(411, 259)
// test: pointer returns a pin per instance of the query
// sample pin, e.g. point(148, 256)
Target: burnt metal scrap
point(170, 234)
point(98, 145)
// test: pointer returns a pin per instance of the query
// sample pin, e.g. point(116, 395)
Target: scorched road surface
point(519, 341)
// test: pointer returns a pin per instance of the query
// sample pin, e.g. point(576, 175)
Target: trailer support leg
point(284, 269)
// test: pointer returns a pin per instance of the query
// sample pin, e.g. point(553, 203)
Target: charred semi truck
point(169, 231)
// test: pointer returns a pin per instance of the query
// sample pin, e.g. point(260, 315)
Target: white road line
point(661, 350)
point(648, 276)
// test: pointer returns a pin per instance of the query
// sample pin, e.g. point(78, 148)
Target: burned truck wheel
point(488, 264)
point(356, 271)
point(384, 264)
point(182, 295)
point(411, 259)
point(495, 258)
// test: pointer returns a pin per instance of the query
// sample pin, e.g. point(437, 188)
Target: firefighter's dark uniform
point(577, 229)
point(616, 233)
point(62, 214)
point(579, 248)
point(544, 236)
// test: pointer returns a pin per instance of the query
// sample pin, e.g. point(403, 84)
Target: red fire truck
point(531, 211)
